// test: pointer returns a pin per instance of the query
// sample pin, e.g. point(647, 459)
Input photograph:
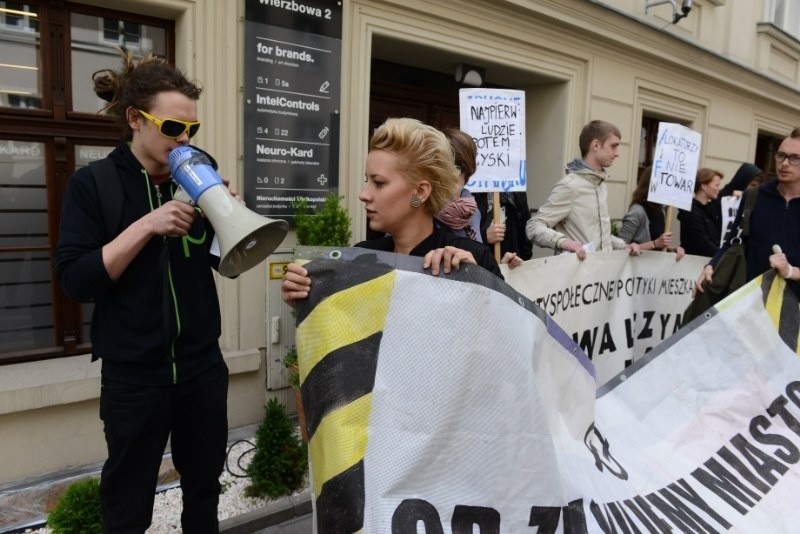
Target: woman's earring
point(415, 201)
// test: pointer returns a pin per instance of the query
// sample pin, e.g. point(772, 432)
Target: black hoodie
point(159, 323)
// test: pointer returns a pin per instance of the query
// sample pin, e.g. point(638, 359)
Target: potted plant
point(328, 226)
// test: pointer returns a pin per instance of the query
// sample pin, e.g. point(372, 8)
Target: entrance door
point(401, 91)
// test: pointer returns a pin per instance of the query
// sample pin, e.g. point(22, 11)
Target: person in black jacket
point(746, 174)
point(479, 226)
point(775, 220)
point(410, 176)
point(701, 228)
point(156, 320)
point(511, 233)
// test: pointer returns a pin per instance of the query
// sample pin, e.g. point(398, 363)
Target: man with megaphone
point(156, 321)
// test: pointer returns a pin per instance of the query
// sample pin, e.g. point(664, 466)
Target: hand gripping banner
point(455, 404)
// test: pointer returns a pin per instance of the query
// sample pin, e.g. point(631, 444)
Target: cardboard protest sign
point(674, 166)
point(491, 421)
point(495, 118)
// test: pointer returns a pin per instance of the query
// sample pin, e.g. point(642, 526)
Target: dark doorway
point(766, 146)
point(403, 91)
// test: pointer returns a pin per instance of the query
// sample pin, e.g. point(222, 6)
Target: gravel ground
point(232, 502)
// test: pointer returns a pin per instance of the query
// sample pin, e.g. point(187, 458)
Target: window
point(25, 293)
point(648, 139)
point(17, 100)
point(647, 143)
point(767, 144)
point(20, 76)
point(16, 16)
point(118, 32)
point(786, 16)
point(94, 47)
point(49, 127)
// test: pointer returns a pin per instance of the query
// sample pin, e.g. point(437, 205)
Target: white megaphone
point(245, 237)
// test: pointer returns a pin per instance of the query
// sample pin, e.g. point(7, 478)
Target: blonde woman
point(409, 177)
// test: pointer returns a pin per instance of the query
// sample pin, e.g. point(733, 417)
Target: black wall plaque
point(292, 55)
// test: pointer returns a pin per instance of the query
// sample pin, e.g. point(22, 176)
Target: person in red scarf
point(463, 214)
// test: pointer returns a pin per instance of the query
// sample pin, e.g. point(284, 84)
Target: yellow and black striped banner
point(782, 307)
point(338, 340)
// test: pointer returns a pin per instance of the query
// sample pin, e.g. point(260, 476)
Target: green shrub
point(290, 362)
point(280, 462)
point(326, 227)
point(78, 510)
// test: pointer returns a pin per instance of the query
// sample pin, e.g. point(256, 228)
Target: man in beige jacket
point(575, 215)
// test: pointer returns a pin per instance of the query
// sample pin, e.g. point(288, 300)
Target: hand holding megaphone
point(245, 237)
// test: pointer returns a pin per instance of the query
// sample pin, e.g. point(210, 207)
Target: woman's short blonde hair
point(423, 153)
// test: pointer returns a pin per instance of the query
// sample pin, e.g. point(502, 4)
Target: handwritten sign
point(495, 118)
point(674, 166)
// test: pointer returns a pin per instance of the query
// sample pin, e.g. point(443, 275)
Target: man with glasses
point(774, 220)
point(172, 128)
point(156, 321)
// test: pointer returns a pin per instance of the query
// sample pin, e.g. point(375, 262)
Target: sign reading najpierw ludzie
point(292, 60)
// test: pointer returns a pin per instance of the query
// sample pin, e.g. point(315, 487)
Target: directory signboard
point(292, 73)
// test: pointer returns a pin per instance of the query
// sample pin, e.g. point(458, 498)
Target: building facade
point(729, 69)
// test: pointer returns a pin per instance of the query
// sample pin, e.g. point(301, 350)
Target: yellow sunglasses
point(172, 128)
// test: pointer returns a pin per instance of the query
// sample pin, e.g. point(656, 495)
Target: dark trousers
point(137, 421)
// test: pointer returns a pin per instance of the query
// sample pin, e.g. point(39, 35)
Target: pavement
point(300, 525)
point(290, 515)
point(24, 505)
point(293, 514)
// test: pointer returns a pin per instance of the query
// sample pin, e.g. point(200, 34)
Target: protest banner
point(675, 162)
point(614, 306)
point(495, 118)
point(490, 421)
point(729, 207)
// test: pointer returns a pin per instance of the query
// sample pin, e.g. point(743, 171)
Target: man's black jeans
point(138, 420)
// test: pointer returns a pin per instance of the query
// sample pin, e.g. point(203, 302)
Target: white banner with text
point(616, 307)
point(454, 403)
